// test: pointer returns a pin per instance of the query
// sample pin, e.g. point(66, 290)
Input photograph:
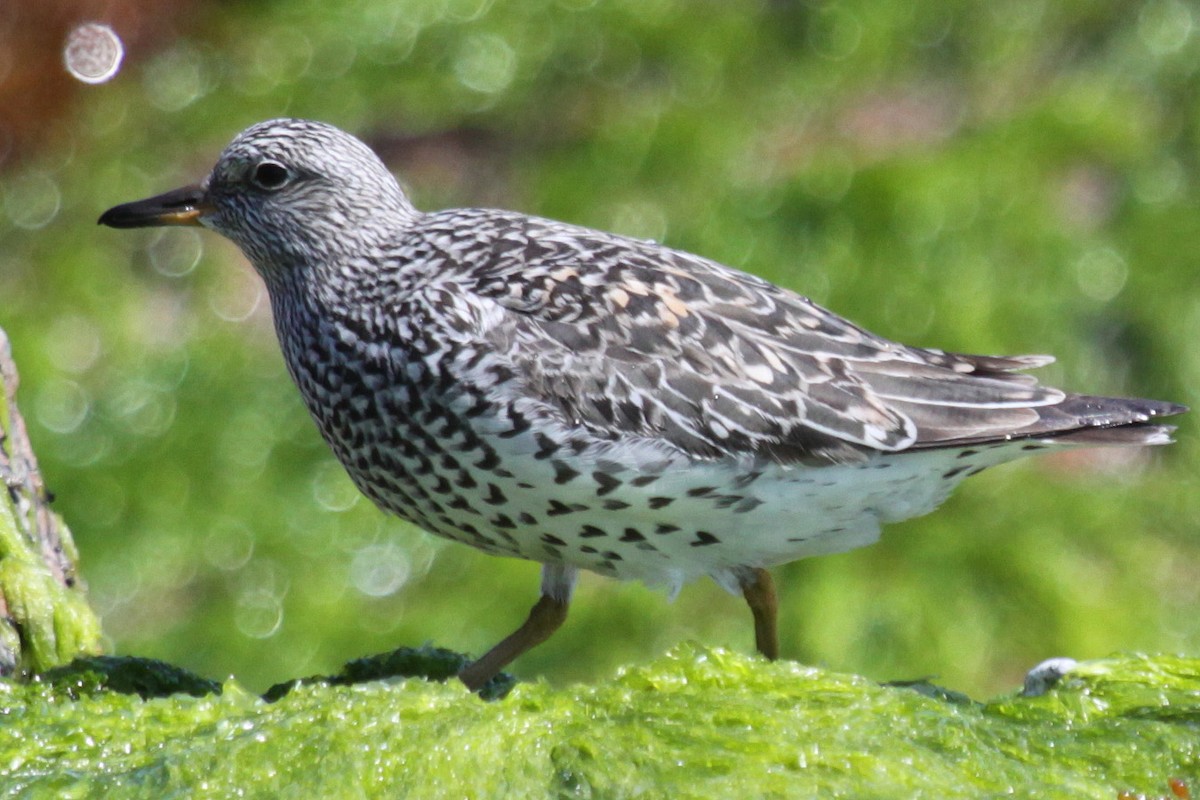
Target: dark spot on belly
point(605, 481)
point(562, 472)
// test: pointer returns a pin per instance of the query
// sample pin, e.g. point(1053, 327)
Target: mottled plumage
point(586, 400)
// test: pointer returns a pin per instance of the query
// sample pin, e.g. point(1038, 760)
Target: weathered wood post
point(45, 619)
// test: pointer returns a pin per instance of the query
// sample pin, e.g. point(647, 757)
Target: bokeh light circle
point(93, 53)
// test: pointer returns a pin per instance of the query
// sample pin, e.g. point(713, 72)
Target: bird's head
point(286, 191)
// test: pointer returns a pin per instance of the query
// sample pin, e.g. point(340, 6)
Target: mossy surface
point(45, 619)
point(695, 723)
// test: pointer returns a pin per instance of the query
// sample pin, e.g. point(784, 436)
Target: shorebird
point(591, 401)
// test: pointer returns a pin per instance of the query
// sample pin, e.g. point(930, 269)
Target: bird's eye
point(270, 175)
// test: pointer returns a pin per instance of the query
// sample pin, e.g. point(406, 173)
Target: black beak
point(179, 207)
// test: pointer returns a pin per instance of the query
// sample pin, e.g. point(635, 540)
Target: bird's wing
point(628, 337)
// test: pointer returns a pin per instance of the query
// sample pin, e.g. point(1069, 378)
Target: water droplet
point(378, 570)
point(84, 447)
point(32, 200)
point(177, 78)
point(141, 408)
point(1164, 27)
point(486, 63)
point(259, 614)
point(467, 10)
point(332, 488)
point(61, 405)
point(93, 53)
point(174, 252)
point(237, 298)
point(836, 32)
point(229, 545)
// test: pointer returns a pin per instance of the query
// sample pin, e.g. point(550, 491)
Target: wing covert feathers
point(630, 338)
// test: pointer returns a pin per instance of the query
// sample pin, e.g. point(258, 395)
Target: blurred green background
point(999, 178)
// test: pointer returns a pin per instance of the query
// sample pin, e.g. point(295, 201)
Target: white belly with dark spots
point(643, 511)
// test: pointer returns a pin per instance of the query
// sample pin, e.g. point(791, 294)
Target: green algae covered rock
point(696, 723)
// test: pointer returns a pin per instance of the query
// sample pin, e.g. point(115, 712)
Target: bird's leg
point(546, 616)
point(759, 591)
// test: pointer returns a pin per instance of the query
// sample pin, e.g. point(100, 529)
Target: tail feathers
point(1086, 413)
point(1133, 434)
point(1082, 420)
